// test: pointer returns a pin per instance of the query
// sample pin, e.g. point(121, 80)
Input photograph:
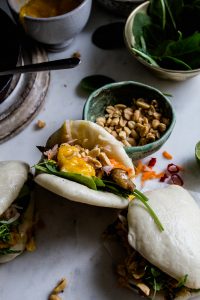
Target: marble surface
point(69, 244)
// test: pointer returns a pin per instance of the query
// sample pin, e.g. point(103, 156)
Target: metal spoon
point(59, 64)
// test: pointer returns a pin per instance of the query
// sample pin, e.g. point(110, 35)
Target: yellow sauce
point(48, 8)
point(68, 161)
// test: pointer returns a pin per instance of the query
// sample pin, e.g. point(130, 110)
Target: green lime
point(197, 152)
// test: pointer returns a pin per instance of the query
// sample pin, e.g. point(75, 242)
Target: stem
point(143, 198)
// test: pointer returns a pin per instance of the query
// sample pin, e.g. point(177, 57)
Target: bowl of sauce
point(53, 23)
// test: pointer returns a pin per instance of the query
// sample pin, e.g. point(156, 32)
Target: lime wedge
point(197, 152)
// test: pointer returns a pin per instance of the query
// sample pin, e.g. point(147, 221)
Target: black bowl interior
point(9, 50)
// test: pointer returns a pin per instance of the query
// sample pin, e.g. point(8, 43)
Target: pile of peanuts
point(142, 123)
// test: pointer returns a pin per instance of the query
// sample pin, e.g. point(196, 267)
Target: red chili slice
point(176, 179)
point(152, 162)
point(173, 169)
point(163, 178)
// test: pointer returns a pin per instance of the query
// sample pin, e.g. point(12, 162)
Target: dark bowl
point(120, 7)
point(9, 51)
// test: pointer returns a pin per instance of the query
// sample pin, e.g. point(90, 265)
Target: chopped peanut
point(41, 124)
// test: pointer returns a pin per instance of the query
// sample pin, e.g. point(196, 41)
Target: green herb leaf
point(182, 281)
point(50, 168)
point(169, 35)
point(5, 251)
point(5, 233)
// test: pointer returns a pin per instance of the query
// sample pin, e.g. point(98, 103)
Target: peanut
point(122, 135)
point(141, 123)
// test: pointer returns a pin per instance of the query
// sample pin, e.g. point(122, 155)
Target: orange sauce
point(48, 8)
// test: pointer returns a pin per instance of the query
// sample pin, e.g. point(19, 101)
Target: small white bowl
point(176, 75)
point(55, 32)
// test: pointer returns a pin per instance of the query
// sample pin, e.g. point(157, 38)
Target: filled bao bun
point(13, 175)
point(87, 135)
point(176, 250)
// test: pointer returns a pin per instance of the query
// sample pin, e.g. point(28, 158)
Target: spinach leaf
point(141, 20)
point(51, 169)
point(162, 37)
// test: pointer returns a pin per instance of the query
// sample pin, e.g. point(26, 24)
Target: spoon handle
point(59, 64)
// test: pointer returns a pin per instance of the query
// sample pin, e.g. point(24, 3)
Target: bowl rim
point(55, 18)
point(128, 45)
point(133, 149)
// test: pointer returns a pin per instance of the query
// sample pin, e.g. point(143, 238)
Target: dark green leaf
point(93, 82)
point(155, 272)
point(98, 181)
point(50, 168)
point(5, 251)
point(141, 20)
point(5, 233)
point(169, 35)
point(182, 281)
point(25, 191)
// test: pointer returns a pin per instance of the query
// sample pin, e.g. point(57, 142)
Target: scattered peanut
point(41, 124)
point(54, 297)
point(140, 124)
point(58, 289)
point(60, 286)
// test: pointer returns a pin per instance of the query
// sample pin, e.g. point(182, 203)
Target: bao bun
point(176, 250)
point(13, 175)
point(88, 135)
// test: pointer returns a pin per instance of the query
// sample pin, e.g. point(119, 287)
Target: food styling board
point(69, 239)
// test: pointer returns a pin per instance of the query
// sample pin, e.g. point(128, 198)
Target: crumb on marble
point(76, 54)
point(40, 124)
point(59, 288)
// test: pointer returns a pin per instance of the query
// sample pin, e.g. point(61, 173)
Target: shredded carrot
point(167, 155)
point(140, 168)
point(146, 172)
point(148, 175)
point(119, 165)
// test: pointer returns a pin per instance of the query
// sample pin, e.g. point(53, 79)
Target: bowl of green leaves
point(164, 35)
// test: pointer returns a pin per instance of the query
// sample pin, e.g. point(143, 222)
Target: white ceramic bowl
point(55, 32)
point(176, 75)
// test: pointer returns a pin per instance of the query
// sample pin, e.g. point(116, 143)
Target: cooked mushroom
point(121, 177)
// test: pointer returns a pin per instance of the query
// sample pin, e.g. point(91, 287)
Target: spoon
point(59, 64)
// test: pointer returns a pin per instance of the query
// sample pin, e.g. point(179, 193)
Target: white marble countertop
point(69, 245)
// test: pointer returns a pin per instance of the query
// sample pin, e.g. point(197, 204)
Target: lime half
point(197, 152)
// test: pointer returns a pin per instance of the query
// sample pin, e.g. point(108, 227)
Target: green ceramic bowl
point(124, 92)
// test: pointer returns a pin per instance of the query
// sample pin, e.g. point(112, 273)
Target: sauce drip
point(48, 8)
